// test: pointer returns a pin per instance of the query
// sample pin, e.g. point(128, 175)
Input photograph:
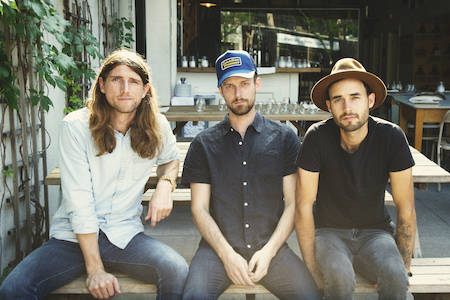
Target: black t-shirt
point(351, 186)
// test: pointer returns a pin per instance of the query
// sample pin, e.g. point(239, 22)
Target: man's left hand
point(261, 260)
point(161, 203)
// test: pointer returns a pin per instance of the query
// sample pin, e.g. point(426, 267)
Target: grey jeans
point(371, 252)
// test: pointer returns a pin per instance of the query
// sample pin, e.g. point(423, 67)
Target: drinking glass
point(303, 108)
point(222, 105)
point(268, 107)
point(294, 108)
point(259, 106)
point(200, 105)
point(285, 103)
point(277, 108)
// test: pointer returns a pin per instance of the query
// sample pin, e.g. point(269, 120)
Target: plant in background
point(118, 28)
point(81, 41)
point(23, 28)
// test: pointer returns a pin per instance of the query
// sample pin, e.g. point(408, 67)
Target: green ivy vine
point(118, 27)
point(28, 21)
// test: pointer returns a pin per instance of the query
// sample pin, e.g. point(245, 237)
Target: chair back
point(445, 120)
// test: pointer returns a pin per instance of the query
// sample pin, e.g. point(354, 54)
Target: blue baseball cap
point(235, 63)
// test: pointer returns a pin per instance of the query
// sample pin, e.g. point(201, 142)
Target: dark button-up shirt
point(246, 178)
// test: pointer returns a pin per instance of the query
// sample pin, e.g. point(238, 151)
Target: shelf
point(278, 70)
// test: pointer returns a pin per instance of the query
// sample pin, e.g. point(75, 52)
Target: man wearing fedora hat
point(239, 171)
point(345, 163)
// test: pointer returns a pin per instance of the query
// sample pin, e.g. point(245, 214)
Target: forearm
point(282, 231)
point(305, 229)
point(406, 228)
point(402, 188)
point(91, 253)
point(211, 232)
point(171, 168)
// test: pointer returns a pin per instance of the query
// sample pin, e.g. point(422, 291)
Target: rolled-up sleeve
point(170, 151)
point(76, 180)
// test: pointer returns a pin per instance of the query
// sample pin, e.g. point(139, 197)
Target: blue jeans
point(371, 252)
point(287, 278)
point(58, 262)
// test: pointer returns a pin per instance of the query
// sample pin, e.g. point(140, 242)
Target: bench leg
point(250, 296)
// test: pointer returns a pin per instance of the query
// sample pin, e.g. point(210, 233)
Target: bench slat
point(430, 275)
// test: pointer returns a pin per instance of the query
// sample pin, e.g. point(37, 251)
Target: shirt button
point(249, 246)
point(240, 143)
point(245, 204)
point(245, 183)
point(247, 226)
point(232, 129)
point(244, 163)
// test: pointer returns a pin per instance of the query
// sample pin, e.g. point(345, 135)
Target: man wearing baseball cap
point(239, 171)
point(345, 163)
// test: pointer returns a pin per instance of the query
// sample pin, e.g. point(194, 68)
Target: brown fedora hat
point(343, 69)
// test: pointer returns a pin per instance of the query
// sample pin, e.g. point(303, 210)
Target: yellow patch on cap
point(231, 62)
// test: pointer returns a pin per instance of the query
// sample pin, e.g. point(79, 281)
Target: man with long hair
point(107, 152)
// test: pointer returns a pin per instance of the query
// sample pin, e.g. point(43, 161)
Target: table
point(184, 114)
point(419, 114)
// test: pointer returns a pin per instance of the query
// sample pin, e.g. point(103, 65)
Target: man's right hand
point(102, 285)
point(237, 269)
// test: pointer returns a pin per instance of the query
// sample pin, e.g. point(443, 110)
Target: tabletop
point(212, 113)
point(184, 114)
point(419, 114)
point(403, 98)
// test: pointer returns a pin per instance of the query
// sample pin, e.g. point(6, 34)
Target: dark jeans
point(371, 252)
point(58, 262)
point(288, 278)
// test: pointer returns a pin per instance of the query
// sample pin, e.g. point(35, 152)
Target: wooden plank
point(430, 275)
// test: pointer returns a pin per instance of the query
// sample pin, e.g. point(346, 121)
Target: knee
point(176, 267)
point(393, 280)
point(339, 279)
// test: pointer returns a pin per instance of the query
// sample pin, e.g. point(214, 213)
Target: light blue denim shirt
point(103, 192)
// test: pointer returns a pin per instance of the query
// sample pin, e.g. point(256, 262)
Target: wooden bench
point(430, 276)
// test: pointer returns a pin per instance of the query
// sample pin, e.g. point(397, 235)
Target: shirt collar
point(256, 124)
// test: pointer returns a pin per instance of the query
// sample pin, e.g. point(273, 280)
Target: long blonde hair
point(145, 131)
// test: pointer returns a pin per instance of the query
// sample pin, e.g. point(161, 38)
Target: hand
point(102, 285)
point(161, 204)
point(319, 279)
point(261, 259)
point(237, 270)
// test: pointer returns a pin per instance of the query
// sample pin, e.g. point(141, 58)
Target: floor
point(433, 218)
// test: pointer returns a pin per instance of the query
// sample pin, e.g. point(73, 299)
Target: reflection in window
point(304, 37)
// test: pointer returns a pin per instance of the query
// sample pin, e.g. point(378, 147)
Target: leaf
point(79, 48)
point(46, 103)
point(50, 79)
point(65, 62)
point(90, 50)
point(37, 7)
point(61, 83)
point(20, 28)
point(34, 100)
point(4, 72)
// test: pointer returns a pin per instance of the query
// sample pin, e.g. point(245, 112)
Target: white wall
point(161, 21)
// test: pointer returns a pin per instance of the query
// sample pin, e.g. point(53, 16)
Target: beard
point(241, 109)
point(349, 127)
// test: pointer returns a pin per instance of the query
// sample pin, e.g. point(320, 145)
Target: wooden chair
point(443, 142)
